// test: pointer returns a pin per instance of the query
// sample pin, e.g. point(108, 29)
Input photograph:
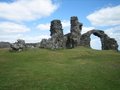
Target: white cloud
point(45, 26)
point(10, 37)
point(28, 38)
point(10, 31)
point(105, 16)
point(25, 10)
point(112, 31)
point(65, 23)
point(9, 27)
point(66, 26)
point(86, 29)
point(34, 39)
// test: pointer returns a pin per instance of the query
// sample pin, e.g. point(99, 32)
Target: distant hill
point(4, 44)
point(7, 44)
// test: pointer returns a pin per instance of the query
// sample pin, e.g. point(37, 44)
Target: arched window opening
point(95, 42)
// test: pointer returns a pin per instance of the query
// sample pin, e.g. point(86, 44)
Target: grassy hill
point(69, 69)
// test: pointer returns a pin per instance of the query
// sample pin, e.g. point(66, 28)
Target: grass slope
point(71, 69)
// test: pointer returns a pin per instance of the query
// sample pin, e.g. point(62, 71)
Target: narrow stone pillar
point(76, 28)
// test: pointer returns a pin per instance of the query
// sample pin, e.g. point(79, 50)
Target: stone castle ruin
point(74, 38)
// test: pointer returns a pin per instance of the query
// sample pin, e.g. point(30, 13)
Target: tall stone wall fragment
point(57, 38)
point(75, 33)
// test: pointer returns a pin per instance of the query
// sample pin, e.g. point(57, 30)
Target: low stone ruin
point(4, 45)
point(18, 46)
point(74, 38)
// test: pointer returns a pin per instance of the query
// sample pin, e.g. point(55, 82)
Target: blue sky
point(30, 19)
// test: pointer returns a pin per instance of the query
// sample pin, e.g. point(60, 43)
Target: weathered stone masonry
point(107, 42)
point(74, 38)
point(57, 38)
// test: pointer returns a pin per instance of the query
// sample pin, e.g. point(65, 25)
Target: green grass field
point(68, 69)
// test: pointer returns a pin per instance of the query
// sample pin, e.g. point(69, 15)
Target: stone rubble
point(18, 46)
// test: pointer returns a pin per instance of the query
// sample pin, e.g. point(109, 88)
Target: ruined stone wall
point(106, 42)
point(85, 39)
point(74, 38)
point(57, 38)
point(76, 28)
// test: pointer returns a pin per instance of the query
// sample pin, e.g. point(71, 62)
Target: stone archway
point(107, 42)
